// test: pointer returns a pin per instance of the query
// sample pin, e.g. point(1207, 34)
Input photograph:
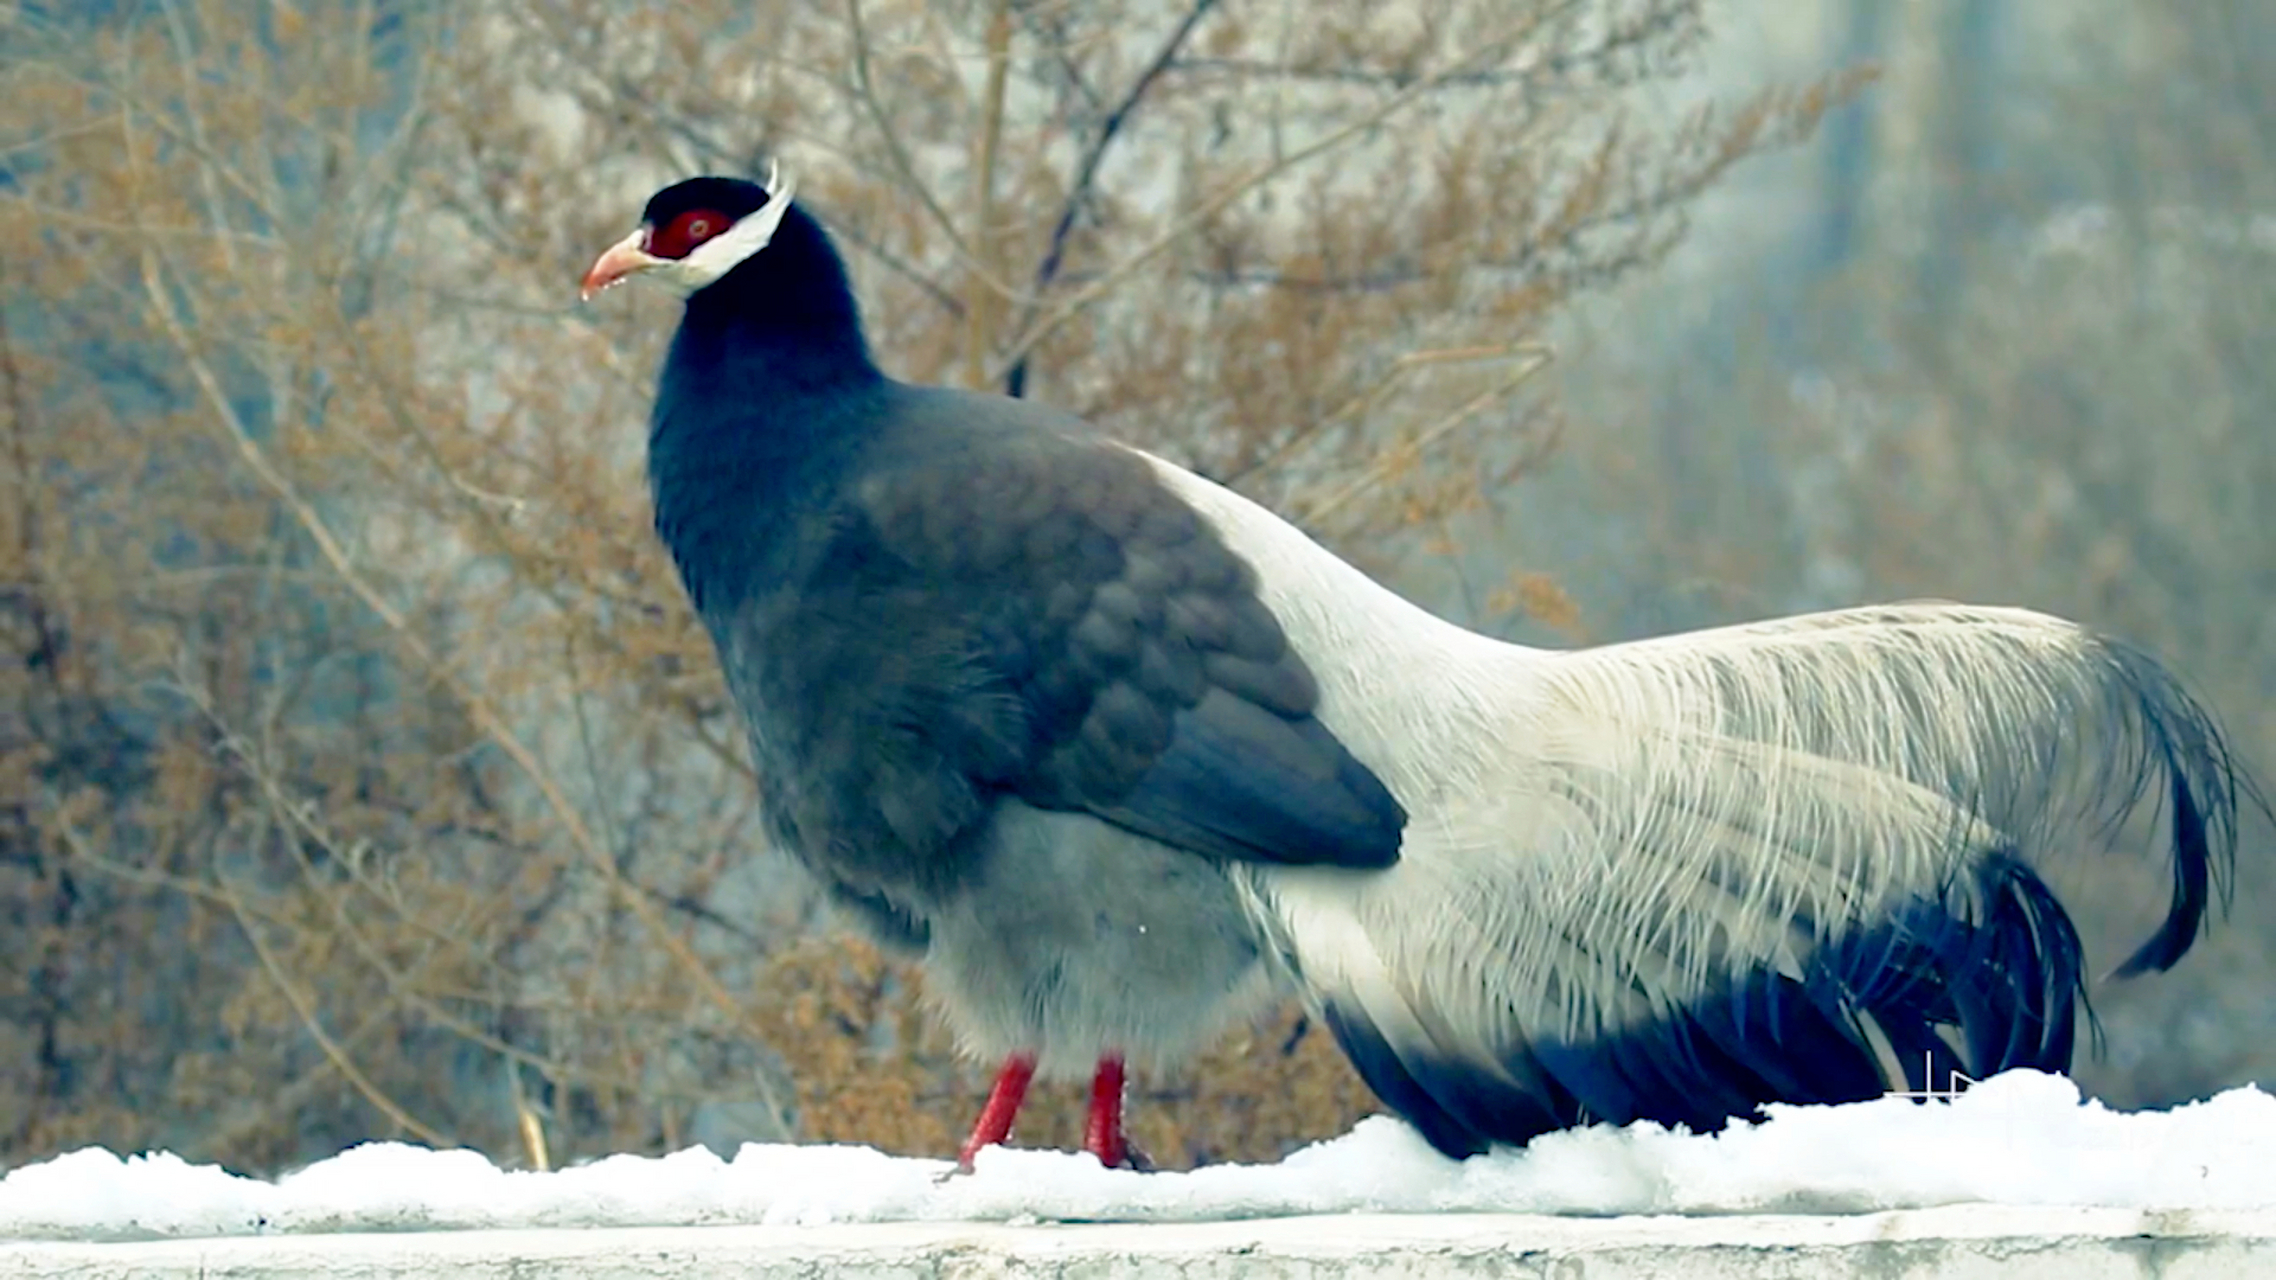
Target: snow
point(2023, 1138)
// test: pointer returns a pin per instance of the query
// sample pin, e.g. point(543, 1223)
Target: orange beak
point(623, 258)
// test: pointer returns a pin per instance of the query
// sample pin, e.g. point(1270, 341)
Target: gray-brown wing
point(1112, 654)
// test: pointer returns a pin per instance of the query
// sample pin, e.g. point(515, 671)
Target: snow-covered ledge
point(2014, 1177)
point(1958, 1241)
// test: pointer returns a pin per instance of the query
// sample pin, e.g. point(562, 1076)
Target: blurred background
point(363, 775)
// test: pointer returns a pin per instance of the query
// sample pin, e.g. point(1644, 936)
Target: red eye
point(682, 234)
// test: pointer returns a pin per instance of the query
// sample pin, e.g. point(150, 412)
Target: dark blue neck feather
point(767, 393)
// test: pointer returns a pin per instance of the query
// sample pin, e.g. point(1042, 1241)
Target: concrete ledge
point(1955, 1242)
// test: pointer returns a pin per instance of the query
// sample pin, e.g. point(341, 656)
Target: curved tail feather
point(1790, 862)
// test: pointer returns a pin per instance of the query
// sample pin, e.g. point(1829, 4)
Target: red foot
point(995, 1123)
point(1102, 1132)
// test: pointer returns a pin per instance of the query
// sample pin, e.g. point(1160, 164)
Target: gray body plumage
point(1074, 938)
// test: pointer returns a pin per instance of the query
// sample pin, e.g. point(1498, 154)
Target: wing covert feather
point(1070, 632)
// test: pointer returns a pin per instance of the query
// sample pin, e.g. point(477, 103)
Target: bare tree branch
point(1049, 322)
point(904, 168)
point(1079, 192)
point(477, 706)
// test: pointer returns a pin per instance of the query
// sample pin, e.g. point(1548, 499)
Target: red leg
point(995, 1123)
point(1102, 1132)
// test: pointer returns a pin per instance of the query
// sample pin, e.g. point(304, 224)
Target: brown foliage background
point(362, 772)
